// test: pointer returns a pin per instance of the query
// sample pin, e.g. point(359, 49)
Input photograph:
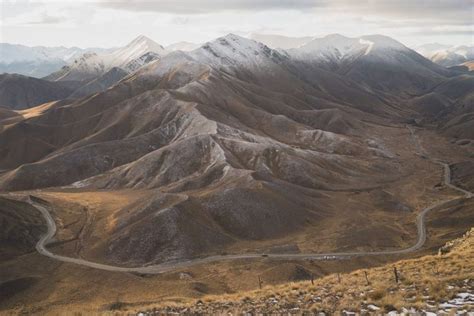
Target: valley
point(420, 241)
point(196, 280)
point(139, 174)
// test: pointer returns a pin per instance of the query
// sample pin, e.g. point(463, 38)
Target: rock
point(185, 276)
point(372, 307)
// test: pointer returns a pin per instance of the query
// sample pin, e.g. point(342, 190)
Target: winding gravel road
point(168, 266)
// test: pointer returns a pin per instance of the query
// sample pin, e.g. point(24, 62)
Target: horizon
point(248, 36)
point(100, 23)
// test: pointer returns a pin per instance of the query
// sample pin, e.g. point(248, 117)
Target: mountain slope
point(451, 106)
point(226, 137)
point(368, 59)
point(87, 67)
point(139, 62)
point(19, 92)
point(100, 83)
point(135, 49)
point(90, 66)
point(445, 289)
point(200, 131)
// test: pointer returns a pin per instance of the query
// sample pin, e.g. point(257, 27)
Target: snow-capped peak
point(136, 48)
point(130, 57)
point(145, 43)
point(336, 47)
point(232, 50)
point(382, 41)
point(446, 55)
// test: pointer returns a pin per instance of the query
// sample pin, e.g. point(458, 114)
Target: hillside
point(438, 284)
point(213, 138)
point(19, 92)
point(196, 132)
point(20, 228)
point(368, 59)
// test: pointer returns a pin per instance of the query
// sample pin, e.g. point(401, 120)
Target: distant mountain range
point(444, 55)
point(90, 71)
point(447, 55)
point(38, 61)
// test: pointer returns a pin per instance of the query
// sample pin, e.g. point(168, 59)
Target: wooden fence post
point(260, 282)
point(312, 279)
point(396, 274)
point(366, 277)
point(339, 277)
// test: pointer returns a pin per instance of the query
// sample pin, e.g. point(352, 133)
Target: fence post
point(312, 279)
point(366, 277)
point(260, 282)
point(339, 277)
point(396, 274)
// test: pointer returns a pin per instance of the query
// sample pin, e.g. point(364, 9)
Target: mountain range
point(444, 55)
point(94, 71)
point(40, 61)
point(222, 138)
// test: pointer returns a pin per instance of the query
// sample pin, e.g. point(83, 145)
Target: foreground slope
point(438, 283)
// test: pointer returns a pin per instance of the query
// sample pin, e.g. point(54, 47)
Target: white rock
point(373, 307)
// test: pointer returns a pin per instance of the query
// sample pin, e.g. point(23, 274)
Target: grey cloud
point(210, 6)
point(439, 9)
point(416, 11)
point(431, 32)
point(48, 19)
point(15, 8)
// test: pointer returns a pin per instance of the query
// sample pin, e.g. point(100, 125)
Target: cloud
point(456, 30)
point(211, 6)
point(45, 18)
point(101, 22)
point(412, 11)
point(441, 11)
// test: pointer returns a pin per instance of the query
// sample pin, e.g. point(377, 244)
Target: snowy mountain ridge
point(336, 47)
point(130, 57)
point(233, 50)
point(447, 55)
point(135, 49)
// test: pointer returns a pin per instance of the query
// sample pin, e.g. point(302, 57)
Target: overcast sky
point(103, 23)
